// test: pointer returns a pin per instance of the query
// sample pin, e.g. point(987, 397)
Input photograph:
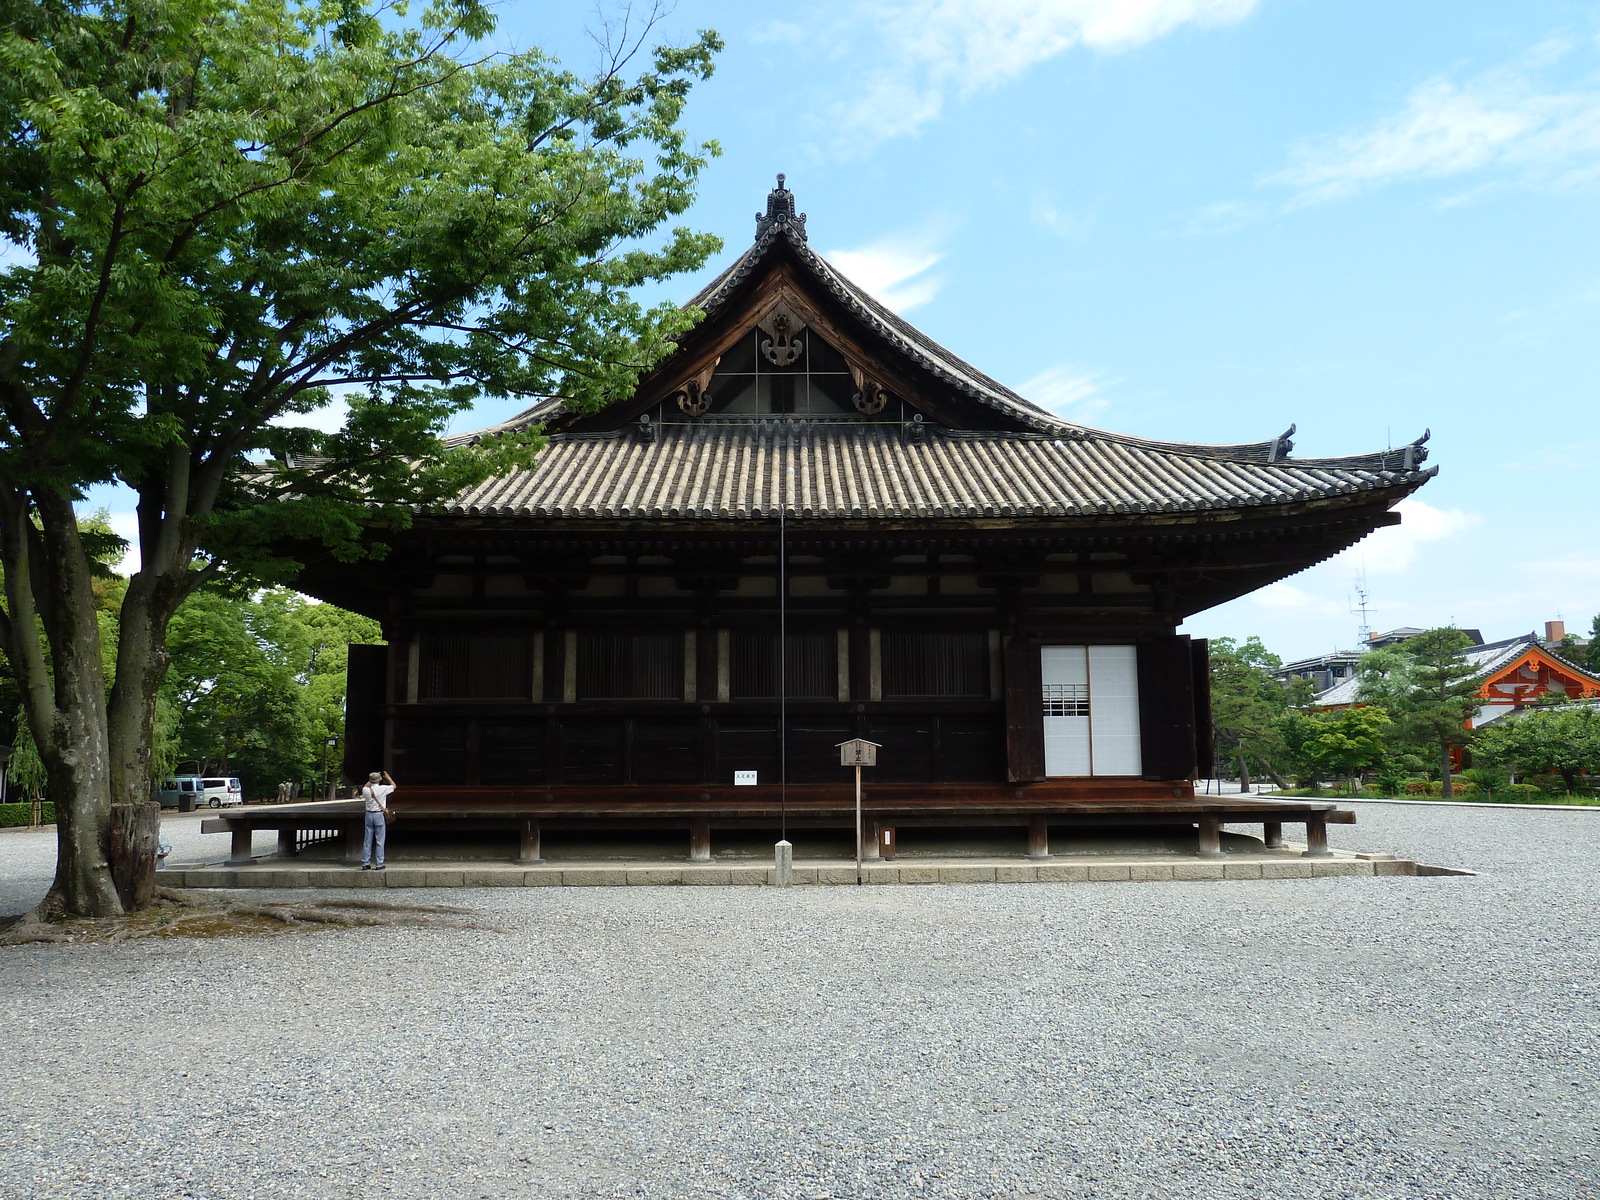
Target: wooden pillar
point(1210, 837)
point(872, 841)
point(1038, 837)
point(700, 840)
point(1272, 834)
point(532, 844)
point(1317, 837)
point(285, 843)
point(353, 833)
point(242, 837)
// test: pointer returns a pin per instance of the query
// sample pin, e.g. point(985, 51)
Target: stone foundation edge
point(636, 875)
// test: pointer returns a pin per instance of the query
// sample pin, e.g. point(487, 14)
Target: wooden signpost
point(858, 753)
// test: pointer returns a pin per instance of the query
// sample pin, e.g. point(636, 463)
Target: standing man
point(375, 792)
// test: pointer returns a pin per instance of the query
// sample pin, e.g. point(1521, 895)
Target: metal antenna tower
point(1364, 630)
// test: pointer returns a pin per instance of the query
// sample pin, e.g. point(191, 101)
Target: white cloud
point(126, 525)
point(1075, 225)
point(1501, 121)
point(1216, 219)
point(926, 50)
point(14, 254)
point(1395, 549)
point(1067, 392)
point(893, 269)
point(1287, 597)
point(329, 418)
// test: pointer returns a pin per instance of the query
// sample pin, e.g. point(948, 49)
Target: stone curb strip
point(655, 875)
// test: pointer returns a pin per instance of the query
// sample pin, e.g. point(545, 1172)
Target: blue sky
point(1206, 219)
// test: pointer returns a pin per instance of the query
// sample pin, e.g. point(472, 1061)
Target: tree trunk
point(153, 595)
point(135, 830)
point(1277, 780)
point(1444, 771)
point(1244, 776)
point(49, 582)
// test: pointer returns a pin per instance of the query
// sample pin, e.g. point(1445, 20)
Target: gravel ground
point(1357, 1037)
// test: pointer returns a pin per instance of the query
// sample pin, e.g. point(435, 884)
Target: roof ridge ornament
point(781, 214)
point(1282, 445)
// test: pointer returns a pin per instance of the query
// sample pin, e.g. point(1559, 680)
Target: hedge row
point(22, 814)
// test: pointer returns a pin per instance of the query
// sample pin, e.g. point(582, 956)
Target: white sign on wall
point(744, 779)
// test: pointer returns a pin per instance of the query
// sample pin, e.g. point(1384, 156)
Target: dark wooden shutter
point(1204, 747)
point(630, 666)
point(935, 664)
point(1024, 712)
point(1166, 708)
point(363, 710)
point(812, 665)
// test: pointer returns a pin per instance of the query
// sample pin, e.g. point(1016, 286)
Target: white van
point(208, 791)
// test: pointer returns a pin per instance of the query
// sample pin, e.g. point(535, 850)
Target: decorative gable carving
point(691, 396)
point(871, 396)
point(781, 346)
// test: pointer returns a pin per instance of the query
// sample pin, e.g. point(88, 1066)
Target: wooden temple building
point(812, 523)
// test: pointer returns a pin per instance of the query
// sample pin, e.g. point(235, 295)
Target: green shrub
point(12, 815)
point(1521, 793)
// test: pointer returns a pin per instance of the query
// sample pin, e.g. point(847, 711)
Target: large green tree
point(1247, 703)
point(228, 213)
point(256, 684)
point(1565, 740)
point(1429, 689)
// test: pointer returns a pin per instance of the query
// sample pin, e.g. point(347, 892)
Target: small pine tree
point(1442, 696)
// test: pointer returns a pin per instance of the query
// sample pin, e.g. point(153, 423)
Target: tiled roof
point(733, 467)
point(749, 468)
point(1484, 660)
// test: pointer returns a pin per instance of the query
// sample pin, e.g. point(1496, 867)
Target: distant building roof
point(1486, 660)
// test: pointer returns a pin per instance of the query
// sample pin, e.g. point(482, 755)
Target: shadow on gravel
point(187, 914)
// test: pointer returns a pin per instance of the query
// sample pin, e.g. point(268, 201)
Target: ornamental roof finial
point(780, 213)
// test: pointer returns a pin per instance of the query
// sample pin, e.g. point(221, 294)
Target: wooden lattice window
point(475, 666)
point(935, 664)
point(811, 665)
point(630, 666)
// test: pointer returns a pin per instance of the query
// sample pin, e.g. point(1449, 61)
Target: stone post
point(783, 861)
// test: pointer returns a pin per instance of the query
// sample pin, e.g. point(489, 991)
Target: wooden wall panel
point(1205, 751)
point(972, 749)
point(813, 748)
point(435, 751)
point(363, 711)
point(1166, 707)
point(665, 750)
point(592, 750)
point(907, 749)
point(511, 752)
point(747, 744)
point(1024, 711)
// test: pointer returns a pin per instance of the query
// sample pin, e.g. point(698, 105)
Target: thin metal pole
point(783, 673)
point(858, 824)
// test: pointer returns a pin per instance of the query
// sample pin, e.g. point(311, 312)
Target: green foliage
point(1349, 741)
point(1562, 741)
point(24, 769)
point(1247, 703)
point(235, 210)
point(15, 815)
point(257, 683)
point(228, 213)
point(1429, 691)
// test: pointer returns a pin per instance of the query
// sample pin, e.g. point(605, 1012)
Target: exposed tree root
point(185, 913)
